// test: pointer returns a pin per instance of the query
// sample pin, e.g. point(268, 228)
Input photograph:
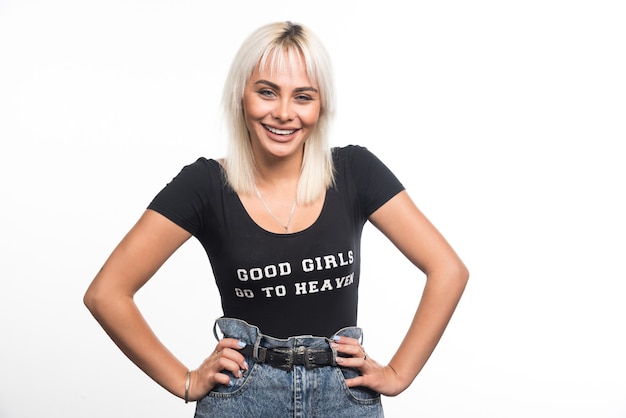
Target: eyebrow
point(277, 87)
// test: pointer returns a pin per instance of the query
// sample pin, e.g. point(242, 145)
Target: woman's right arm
point(110, 298)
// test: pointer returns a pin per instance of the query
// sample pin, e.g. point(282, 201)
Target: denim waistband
point(250, 334)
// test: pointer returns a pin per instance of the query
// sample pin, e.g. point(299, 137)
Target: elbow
point(453, 276)
point(95, 298)
point(90, 299)
point(463, 273)
point(457, 274)
point(102, 298)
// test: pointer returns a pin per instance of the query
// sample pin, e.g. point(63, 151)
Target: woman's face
point(281, 108)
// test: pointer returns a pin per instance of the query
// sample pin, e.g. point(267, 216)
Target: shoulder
point(348, 150)
point(375, 182)
point(203, 176)
point(353, 156)
point(351, 153)
point(202, 169)
point(203, 164)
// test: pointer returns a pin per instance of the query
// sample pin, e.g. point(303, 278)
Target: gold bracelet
point(187, 382)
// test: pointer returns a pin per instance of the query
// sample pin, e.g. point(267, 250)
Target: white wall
point(503, 119)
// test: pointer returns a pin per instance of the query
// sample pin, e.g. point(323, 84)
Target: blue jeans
point(268, 391)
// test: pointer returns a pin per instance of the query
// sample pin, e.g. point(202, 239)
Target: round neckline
point(259, 227)
point(289, 234)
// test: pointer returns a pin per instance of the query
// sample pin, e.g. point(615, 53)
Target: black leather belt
point(285, 357)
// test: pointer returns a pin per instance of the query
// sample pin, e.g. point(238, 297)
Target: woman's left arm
point(446, 276)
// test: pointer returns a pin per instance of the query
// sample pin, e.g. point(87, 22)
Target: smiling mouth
point(279, 131)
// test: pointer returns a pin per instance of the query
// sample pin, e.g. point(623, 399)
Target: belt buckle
point(304, 356)
point(309, 361)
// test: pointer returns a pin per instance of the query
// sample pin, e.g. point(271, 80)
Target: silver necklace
point(267, 208)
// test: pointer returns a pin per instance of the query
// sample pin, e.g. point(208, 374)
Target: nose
point(283, 110)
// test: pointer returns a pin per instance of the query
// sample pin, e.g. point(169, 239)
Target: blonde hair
point(267, 47)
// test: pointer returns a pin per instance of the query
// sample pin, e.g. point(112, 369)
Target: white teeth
point(279, 131)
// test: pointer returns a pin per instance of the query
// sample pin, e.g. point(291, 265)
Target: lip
point(280, 134)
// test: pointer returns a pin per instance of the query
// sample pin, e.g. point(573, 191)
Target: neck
point(278, 172)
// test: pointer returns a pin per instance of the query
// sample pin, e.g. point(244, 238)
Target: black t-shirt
point(304, 283)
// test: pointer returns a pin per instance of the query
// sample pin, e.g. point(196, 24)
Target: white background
point(504, 120)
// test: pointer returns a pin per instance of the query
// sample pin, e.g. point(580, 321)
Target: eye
point(266, 92)
point(303, 98)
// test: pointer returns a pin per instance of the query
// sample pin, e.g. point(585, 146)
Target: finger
point(233, 343)
point(229, 348)
point(346, 340)
point(213, 370)
point(349, 346)
point(222, 379)
point(356, 381)
point(234, 367)
point(352, 362)
point(203, 380)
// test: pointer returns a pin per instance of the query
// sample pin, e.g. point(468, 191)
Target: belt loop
point(215, 331)
point(256, 349)
point(333, 360)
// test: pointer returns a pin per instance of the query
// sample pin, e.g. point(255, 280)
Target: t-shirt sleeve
point(184, 199)
point(375, 182)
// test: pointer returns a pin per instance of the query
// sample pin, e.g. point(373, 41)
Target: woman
point(280, 219)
